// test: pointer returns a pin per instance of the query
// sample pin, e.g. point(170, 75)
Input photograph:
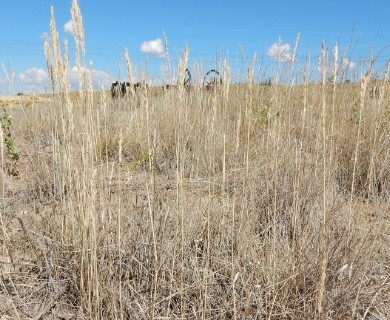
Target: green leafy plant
point(261, 114)
point(144, 159)
point(6, 121)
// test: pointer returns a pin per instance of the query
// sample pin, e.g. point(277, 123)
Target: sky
point(213, 31)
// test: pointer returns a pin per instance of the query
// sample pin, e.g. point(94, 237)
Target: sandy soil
point(21, 98)
point(12, 98)
point(15, 105)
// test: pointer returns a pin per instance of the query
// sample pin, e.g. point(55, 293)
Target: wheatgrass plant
point(255, 200)
point(129, 68)
point(166, 71)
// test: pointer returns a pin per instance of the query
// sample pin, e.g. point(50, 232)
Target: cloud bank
point(36, 80)
point(153, 47)
point(99, 78)
point(33, 76)
point(280, 52)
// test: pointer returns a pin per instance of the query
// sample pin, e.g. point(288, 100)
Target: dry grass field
point(242, 202)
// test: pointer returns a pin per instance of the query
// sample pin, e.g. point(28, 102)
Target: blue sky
point(209, 28)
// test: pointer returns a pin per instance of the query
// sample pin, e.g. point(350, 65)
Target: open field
point(199, 205)
point(245, 201)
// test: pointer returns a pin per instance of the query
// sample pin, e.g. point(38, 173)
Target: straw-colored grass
point(246, 202)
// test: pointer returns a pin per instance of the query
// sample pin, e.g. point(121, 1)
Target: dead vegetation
point(247, 202)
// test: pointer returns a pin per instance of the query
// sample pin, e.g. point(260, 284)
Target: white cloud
point(68, 27)
point(280, 52)
point(33, 76)
point(36, 80)
point(348, 64)
point(45, 37)
point(32, 80)
point(99, 78)
point(153, 47)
